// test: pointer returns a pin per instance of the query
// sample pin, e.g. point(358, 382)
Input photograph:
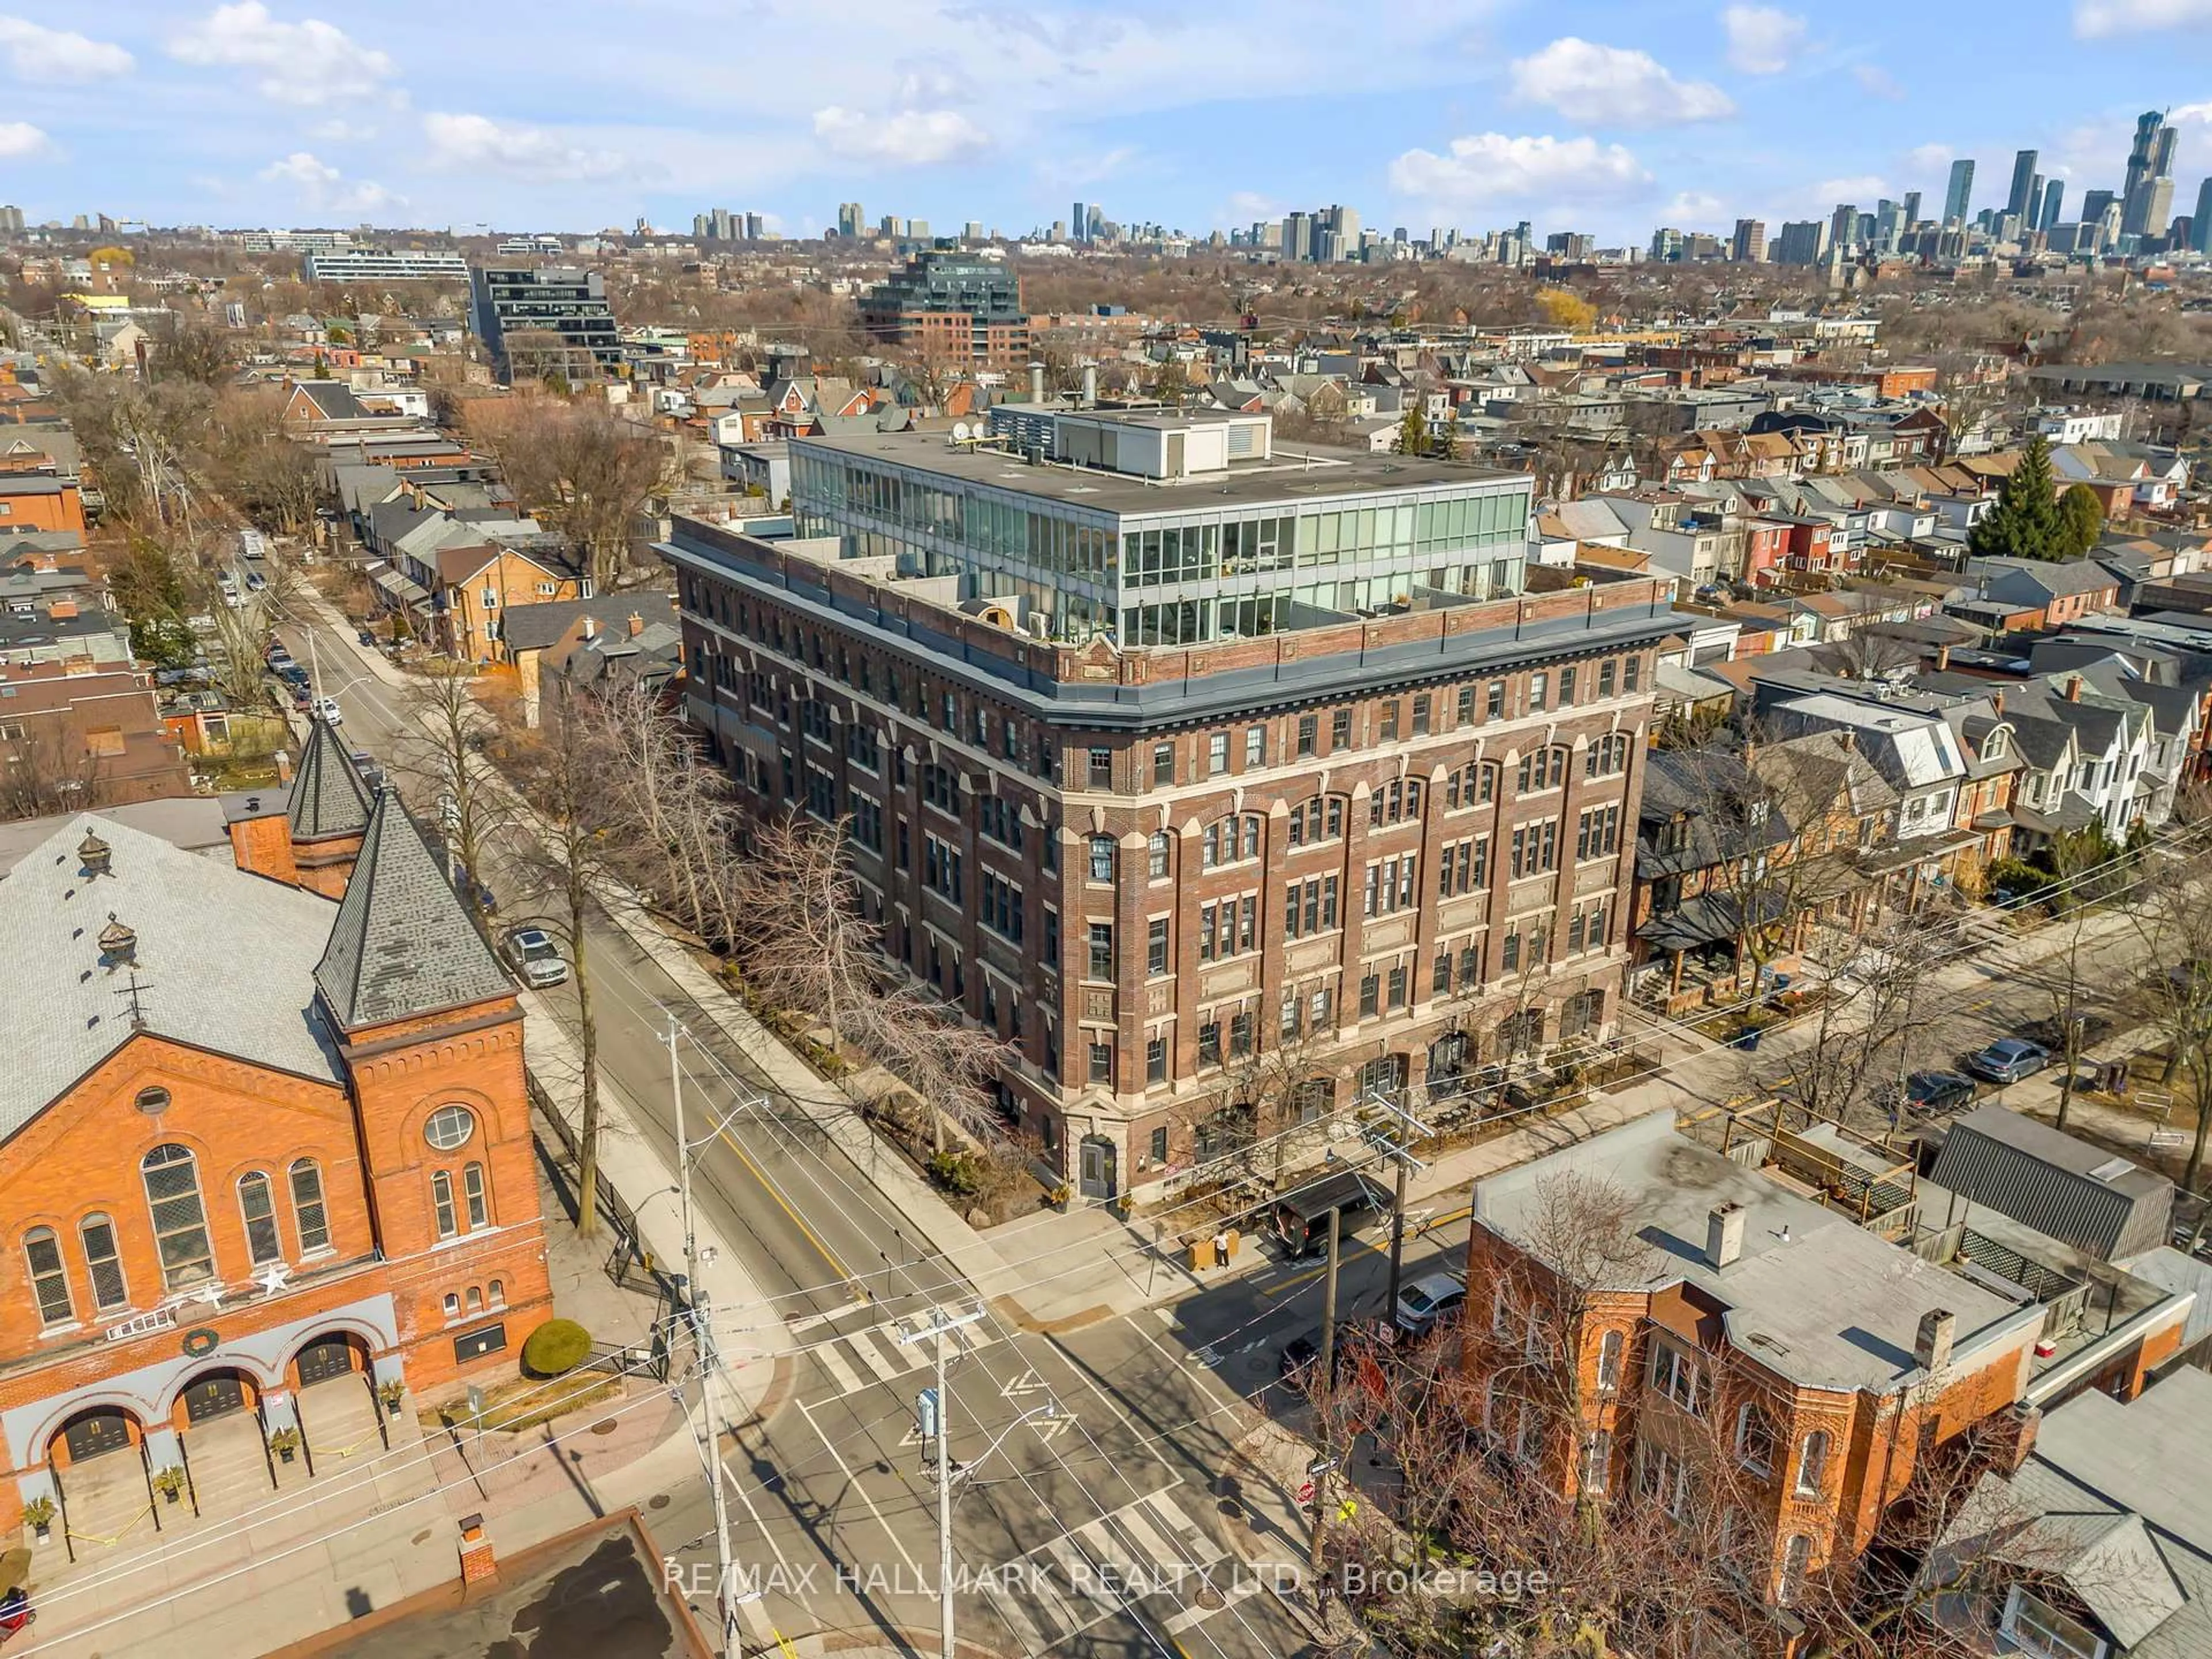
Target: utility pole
point(708, 1358)
point(941, 1327)
point(1408, 1127)
point(1327, 1377)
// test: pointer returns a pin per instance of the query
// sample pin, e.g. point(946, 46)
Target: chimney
point(1724, 1234)
point(1931, 1343)
point(636, 624)
point(1036, 383)
point(1942, 657)
point(591, 628)
point(2073, 689)
point(1091, 386)
point(1848, 739)
point(1996, 699)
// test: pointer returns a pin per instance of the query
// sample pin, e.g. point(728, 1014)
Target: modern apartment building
point(545, 320)
point(1172, 774)
point(386, 265)
point(953, 307)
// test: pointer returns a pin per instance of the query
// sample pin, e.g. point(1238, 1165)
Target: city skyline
point(1605, 118)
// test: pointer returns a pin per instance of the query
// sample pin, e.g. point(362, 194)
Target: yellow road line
point(781, 1203)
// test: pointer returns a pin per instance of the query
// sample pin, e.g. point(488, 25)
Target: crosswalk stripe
point(1028, 1639)
point(1194, 1538)
point(846, 1379)
point(885, 1366)
point(1153, 1550)
point(1191, 1616)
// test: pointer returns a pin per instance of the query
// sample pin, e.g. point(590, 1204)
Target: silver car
point(1428, 1299)
point(535, 957)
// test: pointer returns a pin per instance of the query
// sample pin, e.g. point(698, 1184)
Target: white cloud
point(341, 132)
point(2096, 18)
point(1762, 40)
point(466, 142)
point(1860, 189)
point(307, 63)
point(38, 54)
point(913, 137)
point(321, 186)
point(1694, 205)
point(19, 140)
point(1877, 82)
point(1613, 86)
point(1929, 158)
point(1492, 166)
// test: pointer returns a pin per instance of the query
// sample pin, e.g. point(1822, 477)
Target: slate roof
point(334, 399)
point(403, 943)
point(328, 796)
point(535, 627)
point(225, 961)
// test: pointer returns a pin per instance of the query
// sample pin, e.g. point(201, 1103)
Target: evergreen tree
point(2024, 523)
point(1413, 432)
point(2081, 518)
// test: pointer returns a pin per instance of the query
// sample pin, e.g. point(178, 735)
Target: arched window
point(259, 1209)
point(1609, 1349)
point(180, 1234)
point(453, 1304)
point(103, 1262)
point(309, 1213)
point(1797, 1557)
point(441, 1201)
point(1813, 1464)
point(1754, 1438)
point(1606, 755)
point(477, 1195)
point(42, 1253)
point(450, 1128)
point(498, 1293)
point(476, 1299)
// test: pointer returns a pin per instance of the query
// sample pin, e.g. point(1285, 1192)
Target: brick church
point(264, 1139)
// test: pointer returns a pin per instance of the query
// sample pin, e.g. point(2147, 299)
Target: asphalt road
point(1097, 1529)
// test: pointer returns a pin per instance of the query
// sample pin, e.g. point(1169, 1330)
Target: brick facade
point(1001, 809)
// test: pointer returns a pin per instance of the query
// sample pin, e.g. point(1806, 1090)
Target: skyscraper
point(2022, 203)
point(1802, 242)
point(1843, 226)
point(1960, 195)
point(2054, 194)
point(1749, 245)
point(2094, 203)
point(2200, 223)
point(850, 219)
point(2144, 207)
point(1911, 207)
point(1298, 237)
point(1079, 223)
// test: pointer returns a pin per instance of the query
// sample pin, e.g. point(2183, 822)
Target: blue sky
point(566, 115)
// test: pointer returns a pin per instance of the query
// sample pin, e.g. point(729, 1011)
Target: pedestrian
point(1221, 1247)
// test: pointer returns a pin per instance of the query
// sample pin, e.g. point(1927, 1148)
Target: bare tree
point(807, 943)
point(243, 628)
point(49, 769)
point(585, 473)
point(2174, 919)
point(2063, 980)
point(443, 748)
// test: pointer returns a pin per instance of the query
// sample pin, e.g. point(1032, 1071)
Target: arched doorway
point(93, 1432)
point(223, 1391)
point(1521, 1034)
point(328, 1355)
point(1098, 1168)
point(1450, 1056)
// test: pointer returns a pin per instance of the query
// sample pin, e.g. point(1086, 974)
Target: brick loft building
point(952, 307)
point(1171, 776)
point(1759, 1366)
point(265, 1144)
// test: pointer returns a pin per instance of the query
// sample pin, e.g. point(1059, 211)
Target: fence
point(629, 1263)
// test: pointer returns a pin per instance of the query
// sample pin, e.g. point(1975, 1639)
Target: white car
point(535, 957)
point(1428, 1299)
point(327, 711)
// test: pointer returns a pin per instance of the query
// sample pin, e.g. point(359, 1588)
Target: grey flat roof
point(1813, 1296)
point(1303, 476)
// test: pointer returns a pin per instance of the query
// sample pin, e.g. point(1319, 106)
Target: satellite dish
point(961, 433)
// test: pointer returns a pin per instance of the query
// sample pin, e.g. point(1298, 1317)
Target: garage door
point(96, 1432)
point(323, 1358)
point(215, 1396)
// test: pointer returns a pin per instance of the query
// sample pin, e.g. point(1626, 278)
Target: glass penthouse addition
point(1162, 527)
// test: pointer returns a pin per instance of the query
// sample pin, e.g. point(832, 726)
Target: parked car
point(1302, 1354)
point(2009, 1059)
point(535, 957)
point(327, 710)
point(1301, 1217)
point(365, 637)
point(1426, 1300)
point(2052, 1034)
point(1930, 1092)
point(371, 772)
